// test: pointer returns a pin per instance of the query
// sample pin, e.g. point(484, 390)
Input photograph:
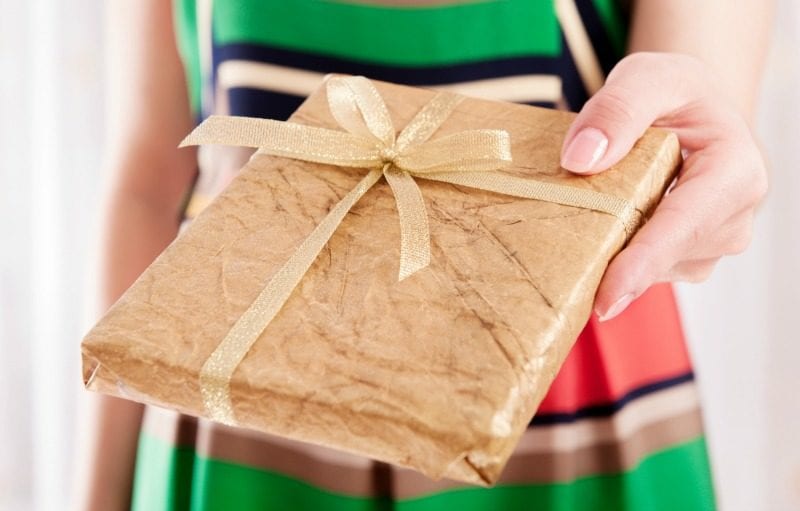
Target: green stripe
point(612, 19)
point(225, 486)
point(185, 24)
point(421, 36)
point(163, 476)
point(675, 478)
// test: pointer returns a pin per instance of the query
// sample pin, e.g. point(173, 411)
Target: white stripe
point(258, 75)
point(638, 414)
point(520, 88)
point(580, 46)
point(204, 44)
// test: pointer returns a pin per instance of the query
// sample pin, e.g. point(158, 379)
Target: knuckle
point(665, 70)
point(696, 235)
point(703, 272)
point(754, 181)
point(760, 183)
point(742, 170)
point(650, 261)
point(692, 231)
point(631, 61)
point(656, 60)
point(613, 105)
point(741, 241)
point(738, 245)
point(694, 271)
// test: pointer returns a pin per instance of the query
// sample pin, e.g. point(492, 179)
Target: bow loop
point(428, 120)
point(358, 108)
point(308, 143)
point(466, 151)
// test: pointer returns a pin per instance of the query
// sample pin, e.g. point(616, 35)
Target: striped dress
point(620, 427)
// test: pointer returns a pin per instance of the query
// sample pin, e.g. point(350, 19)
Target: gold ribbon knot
point(468, 158)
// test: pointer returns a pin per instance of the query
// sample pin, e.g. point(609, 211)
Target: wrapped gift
point(396, 272)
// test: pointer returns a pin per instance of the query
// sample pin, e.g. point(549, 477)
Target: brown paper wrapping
point(441, 372)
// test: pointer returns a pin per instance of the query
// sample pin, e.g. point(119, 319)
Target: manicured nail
point(619, 306)
point(585, 150)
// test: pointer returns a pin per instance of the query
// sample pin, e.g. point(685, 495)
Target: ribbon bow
point(468, 158)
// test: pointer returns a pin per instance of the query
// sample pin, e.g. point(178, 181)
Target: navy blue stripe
point(262, 103)
point(541, 104)
point(609, 409)
point(598, 34)
point(574, 91)
point(563, 66)
point(251, 102)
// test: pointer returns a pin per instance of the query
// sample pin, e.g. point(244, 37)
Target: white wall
point(51, 132)
point(741, 323)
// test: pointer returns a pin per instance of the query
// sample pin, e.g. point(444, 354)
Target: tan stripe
point(259, 75)
point(340, 472)
point(607, 457)
point(324, 467)
point(545, 453)
point(624, 424)
point(542, 467)
point(580, 46)
point(521, 88)
point(330, 469)
point(241, 73)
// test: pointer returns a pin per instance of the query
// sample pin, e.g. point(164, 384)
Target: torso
point(622, 413)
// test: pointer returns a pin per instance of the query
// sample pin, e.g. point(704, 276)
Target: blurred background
point(741, 324)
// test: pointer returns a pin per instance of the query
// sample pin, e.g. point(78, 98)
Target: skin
point(703, 87)
point(149, 116)
point(702, 84)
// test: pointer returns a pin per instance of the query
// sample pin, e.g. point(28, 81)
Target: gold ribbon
point(468, 158)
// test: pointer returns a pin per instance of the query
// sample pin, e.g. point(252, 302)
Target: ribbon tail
point(230, 130)
point(217, 371)
point(584, 198)
point(415, 239)
point(288, 139)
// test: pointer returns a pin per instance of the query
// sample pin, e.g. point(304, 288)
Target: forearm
point(111, 426)
point(137, 229)
point(148, 115)
point(731, 38)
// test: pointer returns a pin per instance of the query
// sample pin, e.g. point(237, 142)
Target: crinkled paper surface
point(440, 372)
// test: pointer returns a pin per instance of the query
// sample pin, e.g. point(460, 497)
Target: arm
point(731, 38)
point(701, 84)
point(148, 115)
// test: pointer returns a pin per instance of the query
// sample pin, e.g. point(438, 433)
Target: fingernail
point(619, 306)
point(585, 150)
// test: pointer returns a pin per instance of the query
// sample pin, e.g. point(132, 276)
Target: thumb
point(642, 88)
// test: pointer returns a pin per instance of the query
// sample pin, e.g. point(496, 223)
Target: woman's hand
point(709, 212)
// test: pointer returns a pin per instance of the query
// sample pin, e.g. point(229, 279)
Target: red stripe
point(643, 345)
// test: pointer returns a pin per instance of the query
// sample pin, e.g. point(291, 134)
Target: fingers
point(709, 214)
point(642, 88)
point(694, 270)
